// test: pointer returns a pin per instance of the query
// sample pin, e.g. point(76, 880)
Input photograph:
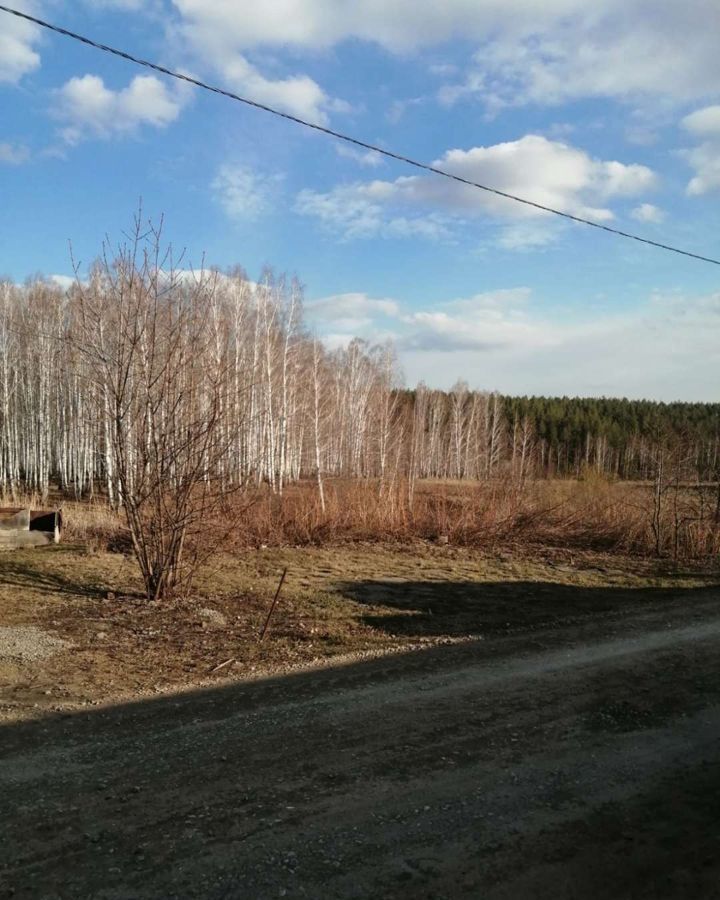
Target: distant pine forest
point(616, 434)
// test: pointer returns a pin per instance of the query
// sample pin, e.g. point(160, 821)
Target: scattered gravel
point(26, 642)
point(213, 618)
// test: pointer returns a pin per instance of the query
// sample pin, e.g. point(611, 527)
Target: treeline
point(86, 391)
point(100, 378)
point(617, 437)
point(125, 371)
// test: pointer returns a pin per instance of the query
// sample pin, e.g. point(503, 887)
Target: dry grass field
point(592, 513)
point(338, 603)
point(372, 573)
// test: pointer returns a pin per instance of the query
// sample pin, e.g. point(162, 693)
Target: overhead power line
point(390, 154)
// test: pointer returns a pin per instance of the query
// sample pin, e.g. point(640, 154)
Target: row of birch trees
point(79, 407)
point(94, 376)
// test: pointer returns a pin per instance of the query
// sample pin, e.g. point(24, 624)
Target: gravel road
point(576, 762)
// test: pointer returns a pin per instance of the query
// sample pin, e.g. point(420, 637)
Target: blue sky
point(608, 110)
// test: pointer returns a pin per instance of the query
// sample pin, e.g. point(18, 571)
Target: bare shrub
point(592, 514)
point(152, 355)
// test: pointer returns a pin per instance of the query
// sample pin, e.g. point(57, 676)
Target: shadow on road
point(455, 608)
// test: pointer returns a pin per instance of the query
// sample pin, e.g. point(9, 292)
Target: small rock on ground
point(212, 617)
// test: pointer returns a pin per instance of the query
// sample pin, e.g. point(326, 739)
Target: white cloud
point(86, 107)
point(317, 24)
point(667, 348)
point(398, 108)
point(63, 281)
point(217, 34)
point(501, 299)
point(641, 135)
point(350, 314)
point(342, 317)
point(528, 235)
point(400, 26)
point(551, 173)
point(529, 51)
point(443, 69)
point(486, 321)
point(298, 95)
point(705, 158)
point(352, 211)
point(704, 122)
point(646, 212)
point(127, 5)
point(619, 50)
point(243, 193)
point(13, 154)
point(18, 38)
point(366, 158)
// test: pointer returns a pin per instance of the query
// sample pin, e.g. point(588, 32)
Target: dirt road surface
point(575, 761)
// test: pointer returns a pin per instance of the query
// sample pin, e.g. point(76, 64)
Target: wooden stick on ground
point(222, 665)
point(272, 607)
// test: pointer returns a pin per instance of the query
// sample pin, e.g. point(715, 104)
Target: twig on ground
point(222, 665)
point(272, 607)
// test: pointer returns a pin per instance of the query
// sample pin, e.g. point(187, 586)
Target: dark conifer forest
point(616, 435)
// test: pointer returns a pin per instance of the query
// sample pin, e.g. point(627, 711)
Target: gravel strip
point(26, 642)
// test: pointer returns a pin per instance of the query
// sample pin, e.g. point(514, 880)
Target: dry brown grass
point(590, 514)
point(95, 525)
point(336, 601)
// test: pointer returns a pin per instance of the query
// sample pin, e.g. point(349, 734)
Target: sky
point(610, 111)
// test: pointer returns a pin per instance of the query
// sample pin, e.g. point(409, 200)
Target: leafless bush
point(591, 514)
point(153, 358)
